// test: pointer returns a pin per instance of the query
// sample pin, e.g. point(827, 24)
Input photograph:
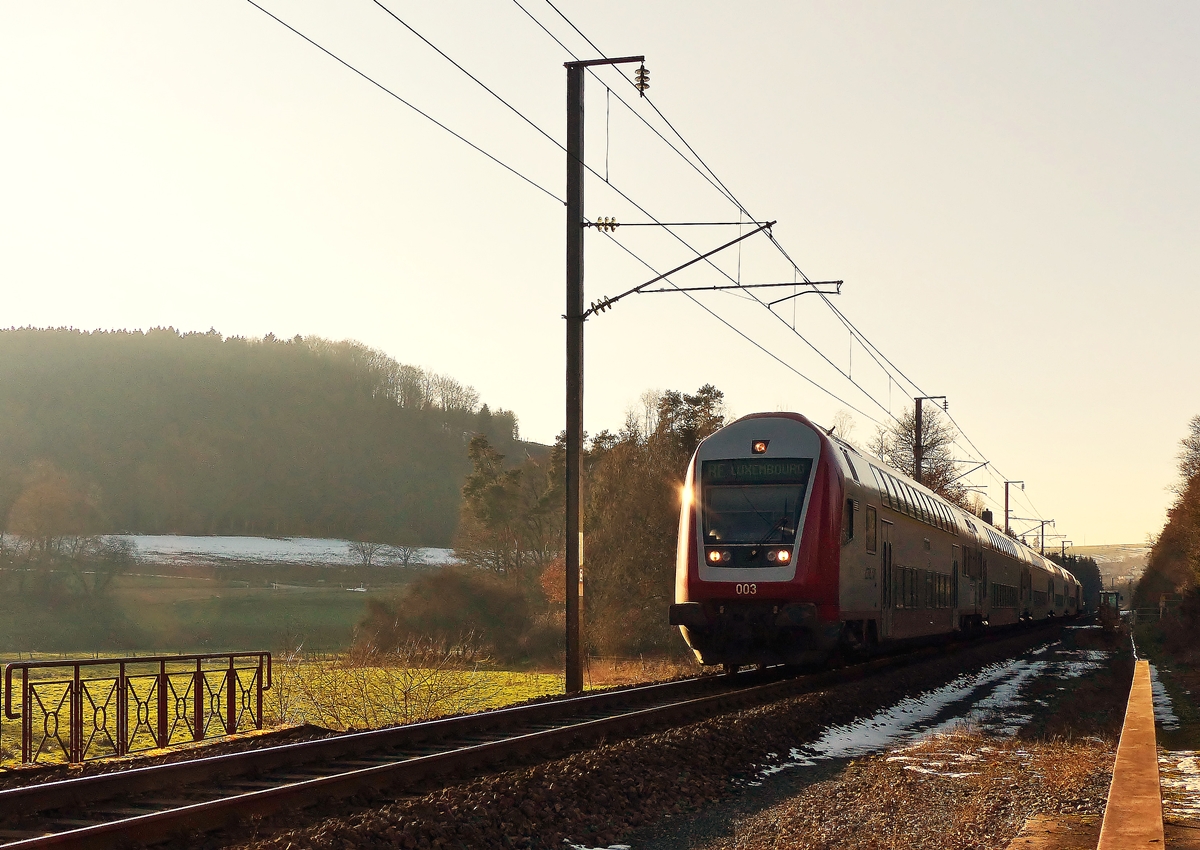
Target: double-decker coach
point(793, 542)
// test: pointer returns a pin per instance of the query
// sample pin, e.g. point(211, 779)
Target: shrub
point(476, 614)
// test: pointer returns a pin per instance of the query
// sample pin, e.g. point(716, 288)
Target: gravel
point(646, 791)
point(962, 790)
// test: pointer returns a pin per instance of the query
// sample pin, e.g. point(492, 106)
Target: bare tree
point(365, 552)
point(1189, 456)
point(407, 555)
point(844, 425)
point(894, 445)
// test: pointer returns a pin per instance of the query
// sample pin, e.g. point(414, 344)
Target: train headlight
point(714, 556)
point(759, 447)
point(772, 555)
point(783, 556)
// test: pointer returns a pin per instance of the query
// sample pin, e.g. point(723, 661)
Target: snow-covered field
point(174, 549)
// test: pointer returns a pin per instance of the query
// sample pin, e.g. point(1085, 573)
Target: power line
point(727, 193)
point(559, 144)
point(710, 177)
point(384, 88)
point(622, 100)
point(474, 79)
point(415, 109)
point(742, 334)
point(872, 349)
point(533, 183)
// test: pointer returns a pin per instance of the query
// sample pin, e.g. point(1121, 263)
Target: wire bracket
point(604, 303)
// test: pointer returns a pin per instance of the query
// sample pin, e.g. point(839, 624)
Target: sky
point(1008, 191)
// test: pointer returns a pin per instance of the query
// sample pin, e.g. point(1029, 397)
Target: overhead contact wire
point(742, 334)
point(622, 100)
point(411, 106)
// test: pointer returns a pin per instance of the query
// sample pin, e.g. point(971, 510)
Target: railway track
point(157, 803)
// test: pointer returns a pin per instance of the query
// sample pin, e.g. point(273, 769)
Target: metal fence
point(79, 709)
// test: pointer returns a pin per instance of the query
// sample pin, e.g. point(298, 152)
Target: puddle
point(1164, 709)
point(992, 700)
point(1179, 775)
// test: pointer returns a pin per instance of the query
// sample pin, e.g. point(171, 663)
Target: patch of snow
point(1164, 709)
point(991, 699)
point(216, 550)
point(1179, 775)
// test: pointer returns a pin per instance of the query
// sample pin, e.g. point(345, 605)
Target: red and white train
point(793, 543)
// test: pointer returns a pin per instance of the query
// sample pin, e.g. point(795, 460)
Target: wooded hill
point(1174, 562)
point(163, 432)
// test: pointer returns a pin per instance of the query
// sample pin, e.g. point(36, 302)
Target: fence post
point(259, 720)
point(197, 702)
point(122, 712)
point(26, 719)
point(161, 738)
point(231, 699)
point(76, 745)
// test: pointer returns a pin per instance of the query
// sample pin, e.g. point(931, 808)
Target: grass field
point(202, 609)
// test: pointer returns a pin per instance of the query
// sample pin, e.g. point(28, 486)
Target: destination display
point(759, 470)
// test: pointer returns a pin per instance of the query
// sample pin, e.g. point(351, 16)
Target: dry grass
point(365, 689)
point(613, 672)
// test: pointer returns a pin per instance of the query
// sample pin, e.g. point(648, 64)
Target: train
point(794, 545)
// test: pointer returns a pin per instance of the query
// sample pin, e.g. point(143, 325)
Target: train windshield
point(753, 501)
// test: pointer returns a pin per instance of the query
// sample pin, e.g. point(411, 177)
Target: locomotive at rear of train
point(793, 543)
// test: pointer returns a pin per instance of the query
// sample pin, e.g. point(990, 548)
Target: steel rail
point(345, 765)
point(74, 795)
point(35, 798)
point(162, 826)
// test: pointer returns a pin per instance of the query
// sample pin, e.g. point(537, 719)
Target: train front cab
point(757, 561)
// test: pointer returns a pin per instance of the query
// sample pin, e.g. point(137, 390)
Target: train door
point(984, 607)
point(885, 575)
point(954, 600)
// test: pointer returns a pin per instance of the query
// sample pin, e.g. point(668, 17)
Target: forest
point(1174, 564)
point(198, 433)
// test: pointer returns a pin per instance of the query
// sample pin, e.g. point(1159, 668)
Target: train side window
point(850, 464)
point(848, 522)
point(872, 530)
point(883, 493)
point(893, 493)
point(906, 506)
point(901, 496)
point(913, 504)
point(914, 499)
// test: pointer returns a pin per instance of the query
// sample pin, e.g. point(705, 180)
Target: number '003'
point(746, 589)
